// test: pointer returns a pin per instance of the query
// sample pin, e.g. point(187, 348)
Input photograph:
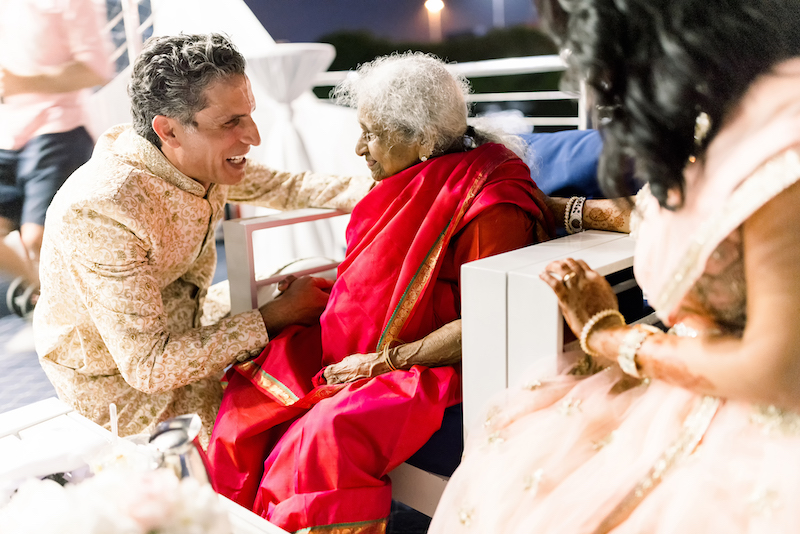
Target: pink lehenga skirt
point(606, 453)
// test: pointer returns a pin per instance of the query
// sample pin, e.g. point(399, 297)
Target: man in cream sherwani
point(129, 253)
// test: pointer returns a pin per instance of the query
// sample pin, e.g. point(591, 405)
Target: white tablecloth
point(48, 436)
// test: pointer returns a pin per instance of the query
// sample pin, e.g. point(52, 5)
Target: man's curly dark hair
point(171, 74)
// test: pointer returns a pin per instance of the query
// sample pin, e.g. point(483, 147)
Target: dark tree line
point(355, 48)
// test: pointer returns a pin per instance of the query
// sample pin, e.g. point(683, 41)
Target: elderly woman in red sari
point(307, 432)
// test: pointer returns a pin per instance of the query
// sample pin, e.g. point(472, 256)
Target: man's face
point(213, 150)
point(385, 157)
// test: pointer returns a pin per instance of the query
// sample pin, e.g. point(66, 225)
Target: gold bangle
point(631, 343)
point(387, 358)
point(589, 326)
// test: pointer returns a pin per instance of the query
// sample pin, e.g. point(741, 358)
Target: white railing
point(244, 277)
point(135, 29)
point(506, 67)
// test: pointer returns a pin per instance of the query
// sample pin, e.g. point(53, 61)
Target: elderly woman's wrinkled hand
point(581, 291)
point(356, 366)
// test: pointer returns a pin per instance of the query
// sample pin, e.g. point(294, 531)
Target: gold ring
point(567, 278)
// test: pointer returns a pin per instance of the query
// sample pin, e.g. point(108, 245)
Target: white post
point(130, 16)
point(583, 108)
point(498, 13)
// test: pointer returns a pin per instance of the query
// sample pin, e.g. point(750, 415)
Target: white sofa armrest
point(510, 317)
point(240, 256)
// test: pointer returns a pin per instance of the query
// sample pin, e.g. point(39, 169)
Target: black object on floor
point(405, 520)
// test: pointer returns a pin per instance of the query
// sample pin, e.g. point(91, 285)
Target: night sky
point(398, 20)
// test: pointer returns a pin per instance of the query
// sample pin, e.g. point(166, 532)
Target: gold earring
point(702, 125)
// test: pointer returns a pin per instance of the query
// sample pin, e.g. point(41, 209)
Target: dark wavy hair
point(171, 74)
point(654, 65)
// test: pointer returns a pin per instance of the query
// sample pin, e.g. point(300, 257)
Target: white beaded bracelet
point(589, 326)
point(631, 343)
point(567, 211)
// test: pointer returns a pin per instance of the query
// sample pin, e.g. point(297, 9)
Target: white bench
point(410, 485)
point(510, 317)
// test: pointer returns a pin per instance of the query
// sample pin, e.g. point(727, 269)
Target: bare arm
point(283, 190)
point(17, 265)
point(64, 79)
point(762, 366)
point(601, 214)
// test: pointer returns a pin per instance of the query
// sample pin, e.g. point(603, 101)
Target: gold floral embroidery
point(602, 443)
point(763, 502)
point(533, 385)
point(493, 411)
point(776, 421)
point(465, 516)
point(495, 438)
point(570, 406)
point(586, 366)
point(765, 183)
point(531, 482)
point(694, 428)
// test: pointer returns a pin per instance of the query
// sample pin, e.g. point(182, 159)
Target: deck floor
point(22, 380)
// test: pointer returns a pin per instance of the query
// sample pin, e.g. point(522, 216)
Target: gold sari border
point(411, 295)
point(361, 527)
point(422, 277)
point(267, 383)
point(767, 182)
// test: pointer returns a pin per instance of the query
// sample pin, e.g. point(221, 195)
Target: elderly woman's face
point(384, 154)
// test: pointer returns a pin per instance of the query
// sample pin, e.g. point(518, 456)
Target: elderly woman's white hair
point(415, 97)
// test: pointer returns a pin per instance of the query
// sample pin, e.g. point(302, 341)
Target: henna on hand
point(609, 214)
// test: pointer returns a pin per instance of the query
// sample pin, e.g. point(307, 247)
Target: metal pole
point(498, 13)
point(130, 16)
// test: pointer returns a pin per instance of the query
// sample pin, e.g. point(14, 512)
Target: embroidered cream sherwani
point(128, 256)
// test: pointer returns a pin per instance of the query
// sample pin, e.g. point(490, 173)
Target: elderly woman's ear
point(425, 150)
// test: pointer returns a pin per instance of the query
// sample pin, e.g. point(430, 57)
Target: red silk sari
point(328, 448)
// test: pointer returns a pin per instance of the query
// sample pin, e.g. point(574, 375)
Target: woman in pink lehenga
point(706, 97)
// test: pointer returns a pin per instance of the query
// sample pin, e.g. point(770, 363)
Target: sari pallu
point(327, 465)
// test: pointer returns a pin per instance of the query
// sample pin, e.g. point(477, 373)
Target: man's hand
point(302, 301)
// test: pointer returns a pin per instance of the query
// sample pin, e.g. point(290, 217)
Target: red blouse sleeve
point(497, 229)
